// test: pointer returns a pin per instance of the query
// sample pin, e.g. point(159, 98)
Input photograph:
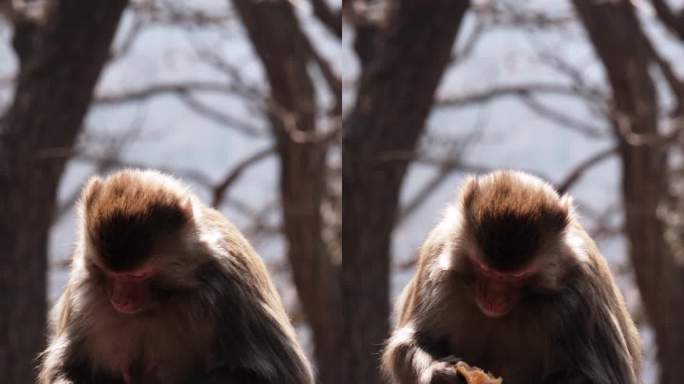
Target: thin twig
point(563, 120)
point(495, 92)
point(180, 87)
point(582, 168)
point(232, 176)
point(331, 19)
point(221, 117)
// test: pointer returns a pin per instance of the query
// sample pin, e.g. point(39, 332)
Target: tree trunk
point(59, 66)
point(284, 52)
point(396, 91)
point(615, 32)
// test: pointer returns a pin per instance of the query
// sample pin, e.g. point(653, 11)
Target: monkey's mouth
point(495, 298)
point(127, 296)
point(125, 309)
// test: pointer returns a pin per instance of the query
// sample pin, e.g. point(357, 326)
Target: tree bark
point(285, 55)
point(395, 94)
point(59, 66)
point(615, 33)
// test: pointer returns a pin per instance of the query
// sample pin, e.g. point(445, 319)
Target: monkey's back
point(266, 332)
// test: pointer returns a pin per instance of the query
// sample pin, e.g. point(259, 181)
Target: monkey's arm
point(591, 344)
point(54, 362)
point(59, 366)
point(60, 362)
point(412, 359)
point(259, 344)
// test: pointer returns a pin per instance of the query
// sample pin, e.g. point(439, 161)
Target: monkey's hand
point(441, 372)
point(455, 371)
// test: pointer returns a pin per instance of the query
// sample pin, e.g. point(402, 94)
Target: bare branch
point(260, 227)
point(221, 117)
point(103, 163)
point(130, 38)
point(233, 72)
point(604, 226)
point(448, 167)
point(181, 87)
point(563, 120)
point(184, 91)
point(579, 170)
point(231, 177)
point(656, 140)
point(487, 95)
point(289, 125)
point(367, 18)
point(331, 19)
point(673, 81)
point(673, 22)
point(331, 78)
point(177, 15)
point(470, 43)
point(505, 15)
point(575, 75)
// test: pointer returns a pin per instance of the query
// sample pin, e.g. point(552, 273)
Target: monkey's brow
point(493, 273)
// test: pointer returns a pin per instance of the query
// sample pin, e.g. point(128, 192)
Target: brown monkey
point(164, 289)
point(510, 282)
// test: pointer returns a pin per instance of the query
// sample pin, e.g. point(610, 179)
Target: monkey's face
point(129, 291)
point(147, 288)
point(497, 292)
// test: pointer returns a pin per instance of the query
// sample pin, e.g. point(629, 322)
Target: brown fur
point(571, 325)
point(509, 223)
point(125, 218)
point(216, 314)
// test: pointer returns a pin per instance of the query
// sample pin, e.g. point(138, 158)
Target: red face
point(128, 291)
point(498, 292)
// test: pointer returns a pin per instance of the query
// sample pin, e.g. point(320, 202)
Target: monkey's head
point(512, 237)
point(134, 226)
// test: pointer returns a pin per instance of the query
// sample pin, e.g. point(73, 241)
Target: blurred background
point(246, 100)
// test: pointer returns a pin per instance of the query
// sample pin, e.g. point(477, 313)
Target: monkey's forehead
point(506, 198)
point(510, 218)
point(125, 221)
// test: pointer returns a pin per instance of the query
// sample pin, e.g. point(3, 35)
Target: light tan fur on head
point(132, 210)
point(510, 215)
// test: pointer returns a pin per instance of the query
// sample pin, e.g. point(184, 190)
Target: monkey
point(164, 289)
point(509, 281)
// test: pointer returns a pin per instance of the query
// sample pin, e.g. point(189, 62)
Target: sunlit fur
point(571, 324)
point(219, 314)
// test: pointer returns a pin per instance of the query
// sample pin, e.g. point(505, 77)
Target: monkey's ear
point(186, 206)
point(567, 202)
point(468, 191)
point(91, 190)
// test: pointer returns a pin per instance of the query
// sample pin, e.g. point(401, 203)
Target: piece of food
point(474, 375)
